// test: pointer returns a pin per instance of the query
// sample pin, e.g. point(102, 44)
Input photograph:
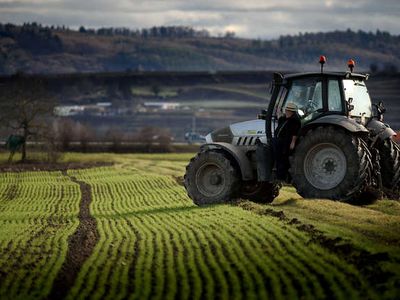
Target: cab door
point(308, 95)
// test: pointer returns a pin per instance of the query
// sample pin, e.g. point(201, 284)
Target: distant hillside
point(32, 48)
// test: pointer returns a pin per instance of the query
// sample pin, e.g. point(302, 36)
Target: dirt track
point(80, 244)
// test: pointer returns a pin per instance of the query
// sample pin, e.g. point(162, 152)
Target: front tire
point(211, 178)
point(331, 163)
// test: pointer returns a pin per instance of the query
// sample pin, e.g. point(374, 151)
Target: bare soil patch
point(80, 244)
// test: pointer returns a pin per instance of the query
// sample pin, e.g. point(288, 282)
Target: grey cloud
point(252, 18)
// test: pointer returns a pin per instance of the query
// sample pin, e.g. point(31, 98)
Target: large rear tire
point(260, 192)
point(331, 163)
point(211, 178)
point(389, 152)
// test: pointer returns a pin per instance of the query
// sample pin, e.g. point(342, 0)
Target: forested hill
point(33, 48)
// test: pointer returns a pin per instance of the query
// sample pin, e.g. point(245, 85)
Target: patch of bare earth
point(80, 244)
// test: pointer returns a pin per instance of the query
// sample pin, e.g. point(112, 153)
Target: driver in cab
point(284, 140)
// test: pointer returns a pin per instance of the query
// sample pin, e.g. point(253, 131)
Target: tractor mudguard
point(380, 129)
point(336, 120)
point(239, 156)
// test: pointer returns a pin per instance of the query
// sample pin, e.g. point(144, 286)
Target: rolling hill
point(32, 48)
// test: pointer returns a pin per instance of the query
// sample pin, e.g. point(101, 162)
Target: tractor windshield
point(356, 90)
point(306, 93)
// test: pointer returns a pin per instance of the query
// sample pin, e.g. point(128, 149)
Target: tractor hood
point(239, 134)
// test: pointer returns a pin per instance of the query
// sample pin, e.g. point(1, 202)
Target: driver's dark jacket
point(287, 128)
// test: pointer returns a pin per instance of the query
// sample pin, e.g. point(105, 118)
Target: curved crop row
point(38, 211)
point(154, 243)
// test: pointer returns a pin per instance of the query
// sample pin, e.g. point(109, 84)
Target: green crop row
point(154, 243)
point(38, 211)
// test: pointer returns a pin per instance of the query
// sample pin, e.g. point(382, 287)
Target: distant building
point(155, 106)
point(100, 109)
point(69, 110)
point(104, 104)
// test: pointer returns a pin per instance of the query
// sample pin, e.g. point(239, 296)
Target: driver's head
point(290, 109)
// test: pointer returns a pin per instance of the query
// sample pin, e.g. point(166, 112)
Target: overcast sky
point(248, 18)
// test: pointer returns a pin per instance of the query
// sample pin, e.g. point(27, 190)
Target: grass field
point(128, 231)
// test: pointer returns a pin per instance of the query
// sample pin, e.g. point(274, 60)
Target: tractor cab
point(318, 95)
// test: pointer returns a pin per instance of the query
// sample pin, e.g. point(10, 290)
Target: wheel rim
point(325, 166)
point(210, 179)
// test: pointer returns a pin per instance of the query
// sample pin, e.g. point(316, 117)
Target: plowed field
point(129, 231)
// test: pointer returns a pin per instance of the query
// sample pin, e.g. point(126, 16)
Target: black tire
point(260, 192)
point(330, 176)
point(211, 178)
point(389, 152)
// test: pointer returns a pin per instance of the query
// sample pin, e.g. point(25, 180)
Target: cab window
point(356, 89)
point(306, 93)
point(334, 96)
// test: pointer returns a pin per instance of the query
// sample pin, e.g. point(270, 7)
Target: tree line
point(366, 39)
point(377, 50)
point(12, 30)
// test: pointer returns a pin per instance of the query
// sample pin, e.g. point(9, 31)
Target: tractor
point(343, 148)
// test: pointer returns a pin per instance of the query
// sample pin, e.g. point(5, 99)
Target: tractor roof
point(327, 74)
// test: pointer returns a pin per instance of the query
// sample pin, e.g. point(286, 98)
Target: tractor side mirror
point(350, 107)
point(380, 109)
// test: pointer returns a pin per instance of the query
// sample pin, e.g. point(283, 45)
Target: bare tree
point(85, 135)
point(25, 105)
point(115, 136)
point(146, 137)
point(153, 136)
point(51, 145)
point(164, 139)
point(156, 90)
point(65, 131)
